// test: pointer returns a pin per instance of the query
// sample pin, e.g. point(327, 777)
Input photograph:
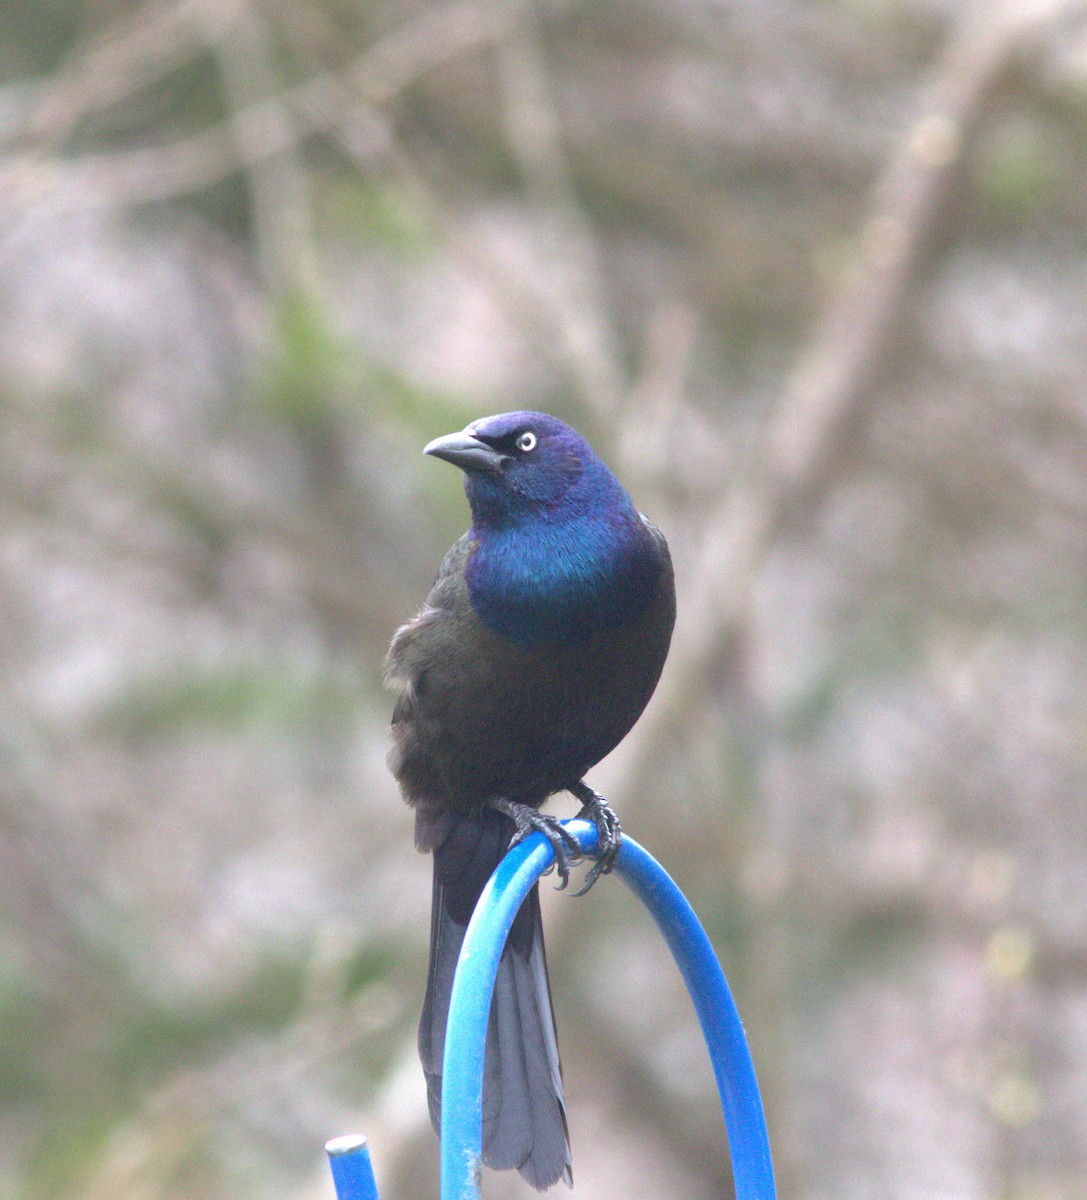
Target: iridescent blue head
point(560, 548)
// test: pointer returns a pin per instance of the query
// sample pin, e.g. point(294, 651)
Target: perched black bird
point(538, 647)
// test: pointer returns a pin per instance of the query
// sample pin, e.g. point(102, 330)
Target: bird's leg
point(531, 820)
point(609, 833)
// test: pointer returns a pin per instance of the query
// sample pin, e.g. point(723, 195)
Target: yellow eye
point(526, 443)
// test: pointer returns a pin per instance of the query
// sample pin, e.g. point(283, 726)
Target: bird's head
point(523, 464)
point(559, 548)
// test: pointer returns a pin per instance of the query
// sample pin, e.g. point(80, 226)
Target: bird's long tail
point(524, 1116)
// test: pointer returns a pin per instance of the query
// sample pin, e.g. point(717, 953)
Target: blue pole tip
point(348, 1143)
point(352, 1171)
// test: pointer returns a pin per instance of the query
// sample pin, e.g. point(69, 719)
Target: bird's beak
point(466, 452)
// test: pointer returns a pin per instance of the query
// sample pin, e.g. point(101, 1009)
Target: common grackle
point(538, 647)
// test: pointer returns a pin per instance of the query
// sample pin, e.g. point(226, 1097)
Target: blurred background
point(812, 276)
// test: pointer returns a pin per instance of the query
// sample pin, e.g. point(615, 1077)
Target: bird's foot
point(609, 833)
point(531, 820)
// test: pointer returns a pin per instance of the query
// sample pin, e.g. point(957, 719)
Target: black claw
point(609, 833)
point(591, 876)
point(530, 820)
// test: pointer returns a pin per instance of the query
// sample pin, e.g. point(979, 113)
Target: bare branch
point(136, 50)
point(278, 183)
point(534, 134)
point(329, 102)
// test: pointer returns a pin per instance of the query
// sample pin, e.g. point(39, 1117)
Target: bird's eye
point(526, 443)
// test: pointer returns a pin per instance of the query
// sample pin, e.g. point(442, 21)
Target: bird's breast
point(558, 587)
point(495, 717)
point(523, 672)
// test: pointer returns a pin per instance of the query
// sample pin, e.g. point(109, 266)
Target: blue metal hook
point(466, 1036)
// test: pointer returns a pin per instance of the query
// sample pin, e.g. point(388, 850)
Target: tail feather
point(524, 1115)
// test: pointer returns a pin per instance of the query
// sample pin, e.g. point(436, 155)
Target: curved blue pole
point(466, 1033)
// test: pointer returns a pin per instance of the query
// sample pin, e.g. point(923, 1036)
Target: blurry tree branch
point(793, 459)
point(133, 52)
point(257, 130)
point(335, 577)
point(278, 185)
point(43, 883)
point(532, 129)
point(566, 312)
point(142, 47)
